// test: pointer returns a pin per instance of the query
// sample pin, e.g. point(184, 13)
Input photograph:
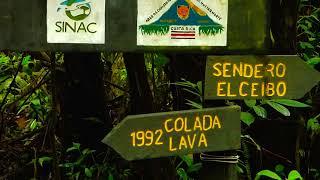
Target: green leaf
point(199, 85)
point(21, 82)
point(44, 159)
point(77, 175)
point(278, 107)
point(33, 124)
point(260, 111)
point(268, 174)
point(291, 103)
point(161, 60)
point(87, 151)
point(239, 169)
point(88, 172)
point(76, 145)
point(247, 118)
point(193, 92)
point(110, 177)
point(66, 165)
point(187, 159)
point(314, 61)
point(306, 45)
point(250, 103)
point(194, 104)
point(36, 102)
point(186, 83)
point(71, 149)
point(313, 125)
point(182, 173)
point(279, 168)
point(4, 60)
point(294, 175)
point(26, 60)
point(5, 85)
point(194, 167)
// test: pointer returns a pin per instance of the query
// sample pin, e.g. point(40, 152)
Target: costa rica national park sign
point(182, 22)
point(258, 77)
point(176, 133)
point(76, 21)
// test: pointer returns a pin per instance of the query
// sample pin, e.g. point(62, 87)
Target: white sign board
point(182, 22)
point(76, 21)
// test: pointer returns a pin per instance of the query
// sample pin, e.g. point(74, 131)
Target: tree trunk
point(82, 100)
point(283, 25)
point(141, 101)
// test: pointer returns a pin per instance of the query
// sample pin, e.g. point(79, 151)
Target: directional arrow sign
point(258, 77)
point(176, 133)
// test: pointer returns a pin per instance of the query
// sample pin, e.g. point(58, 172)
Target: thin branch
point(25, 136)
point(31, 91)
point(271, 153)
point(53, 121)
point(5, 98)
point(117, 86)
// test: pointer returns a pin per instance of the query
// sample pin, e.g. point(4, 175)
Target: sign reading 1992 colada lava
point(76, 21)
point(163, 134)
point(182, 22)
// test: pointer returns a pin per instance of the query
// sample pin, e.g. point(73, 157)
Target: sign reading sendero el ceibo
point(76, 21)
point(176, 133)
point(258, 77)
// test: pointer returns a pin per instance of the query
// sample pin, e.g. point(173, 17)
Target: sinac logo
point(76, 10)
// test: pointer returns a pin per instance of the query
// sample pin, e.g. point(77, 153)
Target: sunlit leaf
point(267, 173)
point(44, 159)
point(36, 102)
point(26, 60)
point(33, 124)
point(294, 175)
point(314, 61)
point(247, 118)
point(4, 59)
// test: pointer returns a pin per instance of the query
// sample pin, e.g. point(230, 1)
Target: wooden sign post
point(258, 77)
point(176, 133)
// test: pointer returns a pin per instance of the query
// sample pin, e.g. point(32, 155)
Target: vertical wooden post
point(218, 170)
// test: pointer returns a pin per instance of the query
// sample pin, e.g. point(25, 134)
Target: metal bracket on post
point(220, 159)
